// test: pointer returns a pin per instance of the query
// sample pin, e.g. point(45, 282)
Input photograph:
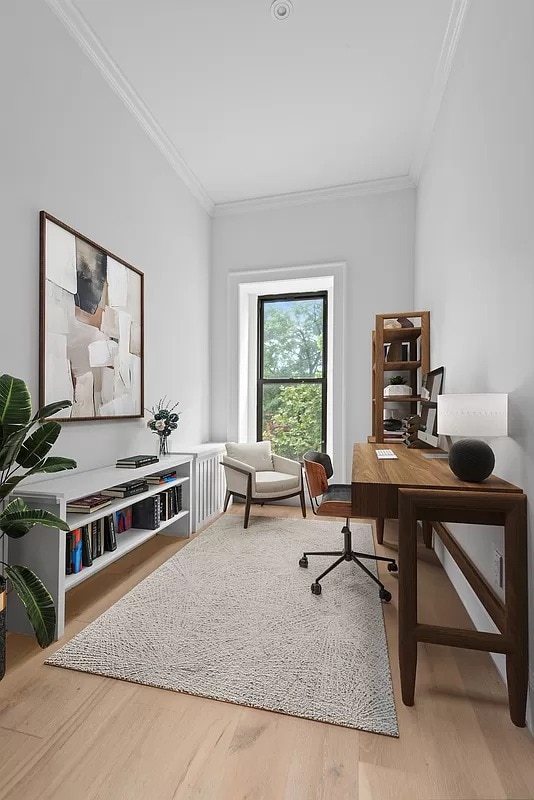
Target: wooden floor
point(70, 736)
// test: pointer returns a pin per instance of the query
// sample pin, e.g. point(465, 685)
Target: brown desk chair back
point(335, 502)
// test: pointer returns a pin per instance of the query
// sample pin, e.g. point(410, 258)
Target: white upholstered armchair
point(256, 475)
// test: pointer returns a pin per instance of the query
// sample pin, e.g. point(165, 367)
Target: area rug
point(231, 617)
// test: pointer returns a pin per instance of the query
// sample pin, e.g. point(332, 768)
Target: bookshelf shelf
point(126, 542)
point(77, 520)
point(44, 549)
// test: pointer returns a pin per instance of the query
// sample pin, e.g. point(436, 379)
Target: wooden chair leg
point(379, 524)
point(247, 511)
point(303, 502)
point(427, 534)
point(227, 500)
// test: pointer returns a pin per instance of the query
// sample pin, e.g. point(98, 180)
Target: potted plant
point(397, 387)
point(25, 441)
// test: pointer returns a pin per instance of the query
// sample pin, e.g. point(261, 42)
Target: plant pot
point(3, 612)
point(397, 389)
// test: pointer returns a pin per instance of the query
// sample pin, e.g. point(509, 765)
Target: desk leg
point(379, 523)
point(427, 534)
point(407, 599)
point(516, 619)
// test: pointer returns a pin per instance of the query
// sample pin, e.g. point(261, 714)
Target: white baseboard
point(480, 618)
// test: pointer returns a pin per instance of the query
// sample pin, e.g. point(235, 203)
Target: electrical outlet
point(498, 569)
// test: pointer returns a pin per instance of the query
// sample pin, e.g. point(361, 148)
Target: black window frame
point(261, 381)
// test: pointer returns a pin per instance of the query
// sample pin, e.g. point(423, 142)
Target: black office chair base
point(348, 554)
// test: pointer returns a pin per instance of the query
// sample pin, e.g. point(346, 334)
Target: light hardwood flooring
point(66, 735)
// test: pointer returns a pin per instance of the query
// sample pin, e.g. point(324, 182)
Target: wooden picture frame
point(91, 327)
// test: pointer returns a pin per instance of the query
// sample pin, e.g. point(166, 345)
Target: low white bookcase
point(43, 549)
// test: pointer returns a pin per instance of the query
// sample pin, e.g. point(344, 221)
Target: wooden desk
point(376, 484)
point(415, 489)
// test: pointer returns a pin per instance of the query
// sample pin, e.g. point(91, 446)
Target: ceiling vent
point(281, 9)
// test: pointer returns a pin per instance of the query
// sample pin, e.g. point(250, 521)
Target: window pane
point(292, 418)
point(293, 338)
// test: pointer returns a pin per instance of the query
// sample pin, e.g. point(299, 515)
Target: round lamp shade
point(471, 460)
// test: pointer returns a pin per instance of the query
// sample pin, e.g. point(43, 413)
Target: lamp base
point(471, 460)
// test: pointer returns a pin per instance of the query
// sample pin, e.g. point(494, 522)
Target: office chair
point(336, 502)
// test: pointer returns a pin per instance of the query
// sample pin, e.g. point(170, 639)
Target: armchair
point(256, 475)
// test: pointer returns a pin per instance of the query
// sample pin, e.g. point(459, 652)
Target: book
point(93, 502)
point(68, 553)
point(146, 513)
point(136, 461)
point(76, 550)
point(110, 536)
point(94, 539)
point(87, 546)
point(126, 489)
point(122, 519)
point(164, 477)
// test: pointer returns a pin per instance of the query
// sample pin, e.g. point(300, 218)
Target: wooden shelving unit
point(409, 348)
point(43, 549)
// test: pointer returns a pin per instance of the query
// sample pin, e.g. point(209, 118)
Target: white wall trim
point(86, 38)
point(315, 195)
point(337, 271)
point(439, 85)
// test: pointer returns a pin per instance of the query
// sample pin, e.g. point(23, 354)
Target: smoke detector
point(281, 9)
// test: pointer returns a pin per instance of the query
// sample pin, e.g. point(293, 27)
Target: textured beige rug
point(231, 617)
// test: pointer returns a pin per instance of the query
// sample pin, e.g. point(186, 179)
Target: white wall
point(474, 237)
point(68, 145)
point(374, 235)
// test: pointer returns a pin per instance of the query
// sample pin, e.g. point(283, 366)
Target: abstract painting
point(91, 327)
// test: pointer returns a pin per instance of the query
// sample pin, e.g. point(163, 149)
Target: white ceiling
point(336, 94)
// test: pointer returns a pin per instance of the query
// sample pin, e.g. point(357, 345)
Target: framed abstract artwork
point(91, 327)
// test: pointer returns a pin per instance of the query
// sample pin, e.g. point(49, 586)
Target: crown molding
point(439, 85)
point(313, 196)
point(86, 38)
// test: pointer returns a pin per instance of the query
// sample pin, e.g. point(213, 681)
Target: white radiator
point(210, 487)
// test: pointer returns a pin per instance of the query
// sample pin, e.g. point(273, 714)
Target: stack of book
point(127, 489)
point(93, 502)
point(133, 462)
point(88, 543)
point(162, 477)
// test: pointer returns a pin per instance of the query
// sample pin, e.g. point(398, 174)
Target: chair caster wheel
point(303, 562)
point(316, 588)
point(384, 595)
point(393, 567)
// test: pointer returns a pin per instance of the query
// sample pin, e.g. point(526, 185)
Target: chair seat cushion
point(338, 493)
point(272, 482)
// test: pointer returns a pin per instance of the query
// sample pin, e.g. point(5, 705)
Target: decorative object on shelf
point(164, 422)
point(472, 415)
point(397, 386)
point(24, 444)
point(91, 327)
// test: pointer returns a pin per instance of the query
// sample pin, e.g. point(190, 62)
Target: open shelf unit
point(403, 349)
point(43, 549)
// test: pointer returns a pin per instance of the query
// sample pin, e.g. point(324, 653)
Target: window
point(291, 391)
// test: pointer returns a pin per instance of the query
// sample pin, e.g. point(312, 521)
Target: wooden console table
point(413, 488)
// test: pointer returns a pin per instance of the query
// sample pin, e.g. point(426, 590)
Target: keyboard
point(385, 454)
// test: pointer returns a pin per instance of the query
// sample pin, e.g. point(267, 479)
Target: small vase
point(163, 446)
point(3, 611)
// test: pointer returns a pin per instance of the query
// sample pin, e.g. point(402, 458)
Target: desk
point(413, 488)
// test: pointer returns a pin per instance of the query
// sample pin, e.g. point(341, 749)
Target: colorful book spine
point(76, 550)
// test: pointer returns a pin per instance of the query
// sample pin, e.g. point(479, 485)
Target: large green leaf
point(10, 447)
point(18, 518)
point(53, 464)
point(51, 409)
point(36, 600)
point(15, 405)
point(8, 486)
point(38, 444)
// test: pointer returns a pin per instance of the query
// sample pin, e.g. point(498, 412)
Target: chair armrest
point(287, 465)
point(238, 475)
